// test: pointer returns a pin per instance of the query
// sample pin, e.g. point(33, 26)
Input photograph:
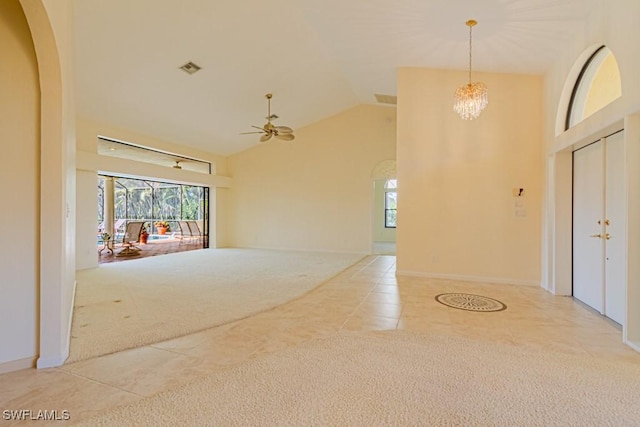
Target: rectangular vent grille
point(386, 99)
point(190, 67)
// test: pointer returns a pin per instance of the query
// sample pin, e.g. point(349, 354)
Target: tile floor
point(365, 297)
point(152, 248)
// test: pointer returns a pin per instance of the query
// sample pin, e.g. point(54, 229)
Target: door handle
point(599, 236)
point(607, 236)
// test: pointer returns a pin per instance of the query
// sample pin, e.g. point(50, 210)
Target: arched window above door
point(598, 84)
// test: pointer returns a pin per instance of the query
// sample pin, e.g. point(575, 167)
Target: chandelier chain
point(470, 46)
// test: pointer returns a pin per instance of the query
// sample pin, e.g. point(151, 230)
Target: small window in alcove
point(390, 203)
point(598, 85)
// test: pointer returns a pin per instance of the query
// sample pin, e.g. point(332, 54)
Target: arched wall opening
point(50, 24)
point(384, 208)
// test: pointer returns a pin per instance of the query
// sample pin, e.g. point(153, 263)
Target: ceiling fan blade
point(266, 137)
point(286, 136)
point(284, 129)
point(249, 133)
point(269, 130)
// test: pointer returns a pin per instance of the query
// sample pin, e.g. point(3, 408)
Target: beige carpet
point(139, 302)
point(399, 378)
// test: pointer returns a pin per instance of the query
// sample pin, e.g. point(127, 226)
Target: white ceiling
point(317, 57)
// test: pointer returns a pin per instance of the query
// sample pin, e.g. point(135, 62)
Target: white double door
point(599, 227)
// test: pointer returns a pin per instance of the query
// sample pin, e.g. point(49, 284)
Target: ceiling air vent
point(190, 67)
point(386, 99)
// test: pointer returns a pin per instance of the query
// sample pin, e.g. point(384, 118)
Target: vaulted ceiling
point(317, 57)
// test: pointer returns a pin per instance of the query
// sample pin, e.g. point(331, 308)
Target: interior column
point(109, 208)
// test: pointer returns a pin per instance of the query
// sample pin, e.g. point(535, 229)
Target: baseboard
point(463, 278)
point(73, 305)
point(633, 345)
point(55, 361)
point(328, 251)
point(17, 365)
point(51, 362)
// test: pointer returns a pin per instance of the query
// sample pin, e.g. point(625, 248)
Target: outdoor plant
point(106, 237)
point(163, 224)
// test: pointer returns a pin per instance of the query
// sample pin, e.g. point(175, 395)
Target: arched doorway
point(385, 191)
point(588, 244)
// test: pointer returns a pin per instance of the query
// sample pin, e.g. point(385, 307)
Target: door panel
point(615, 206)
point(588, 210)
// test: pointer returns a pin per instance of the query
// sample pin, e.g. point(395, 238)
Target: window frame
point(577, 85)
point(387, 209)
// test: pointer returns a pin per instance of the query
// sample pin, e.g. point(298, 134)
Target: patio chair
point(116, 227)
point(185, 231)
point(130, 238)
point(195, 230)
point(118, 224)
point(189, 229)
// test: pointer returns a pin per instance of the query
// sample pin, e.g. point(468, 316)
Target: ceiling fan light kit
point(269, 130)
point(471, 98)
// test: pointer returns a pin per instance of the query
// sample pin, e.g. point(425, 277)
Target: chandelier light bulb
point(470, 100)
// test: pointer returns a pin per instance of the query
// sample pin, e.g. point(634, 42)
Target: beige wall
point(315, 193)
point(219, 228)
point(86, 203)
point(19, 181)
point(456, 211)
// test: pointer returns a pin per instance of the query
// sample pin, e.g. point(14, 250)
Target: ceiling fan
point(269, 130)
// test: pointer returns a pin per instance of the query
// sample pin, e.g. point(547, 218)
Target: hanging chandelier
point(471, 98)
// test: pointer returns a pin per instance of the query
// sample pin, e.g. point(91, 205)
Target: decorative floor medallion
point(470, 302)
